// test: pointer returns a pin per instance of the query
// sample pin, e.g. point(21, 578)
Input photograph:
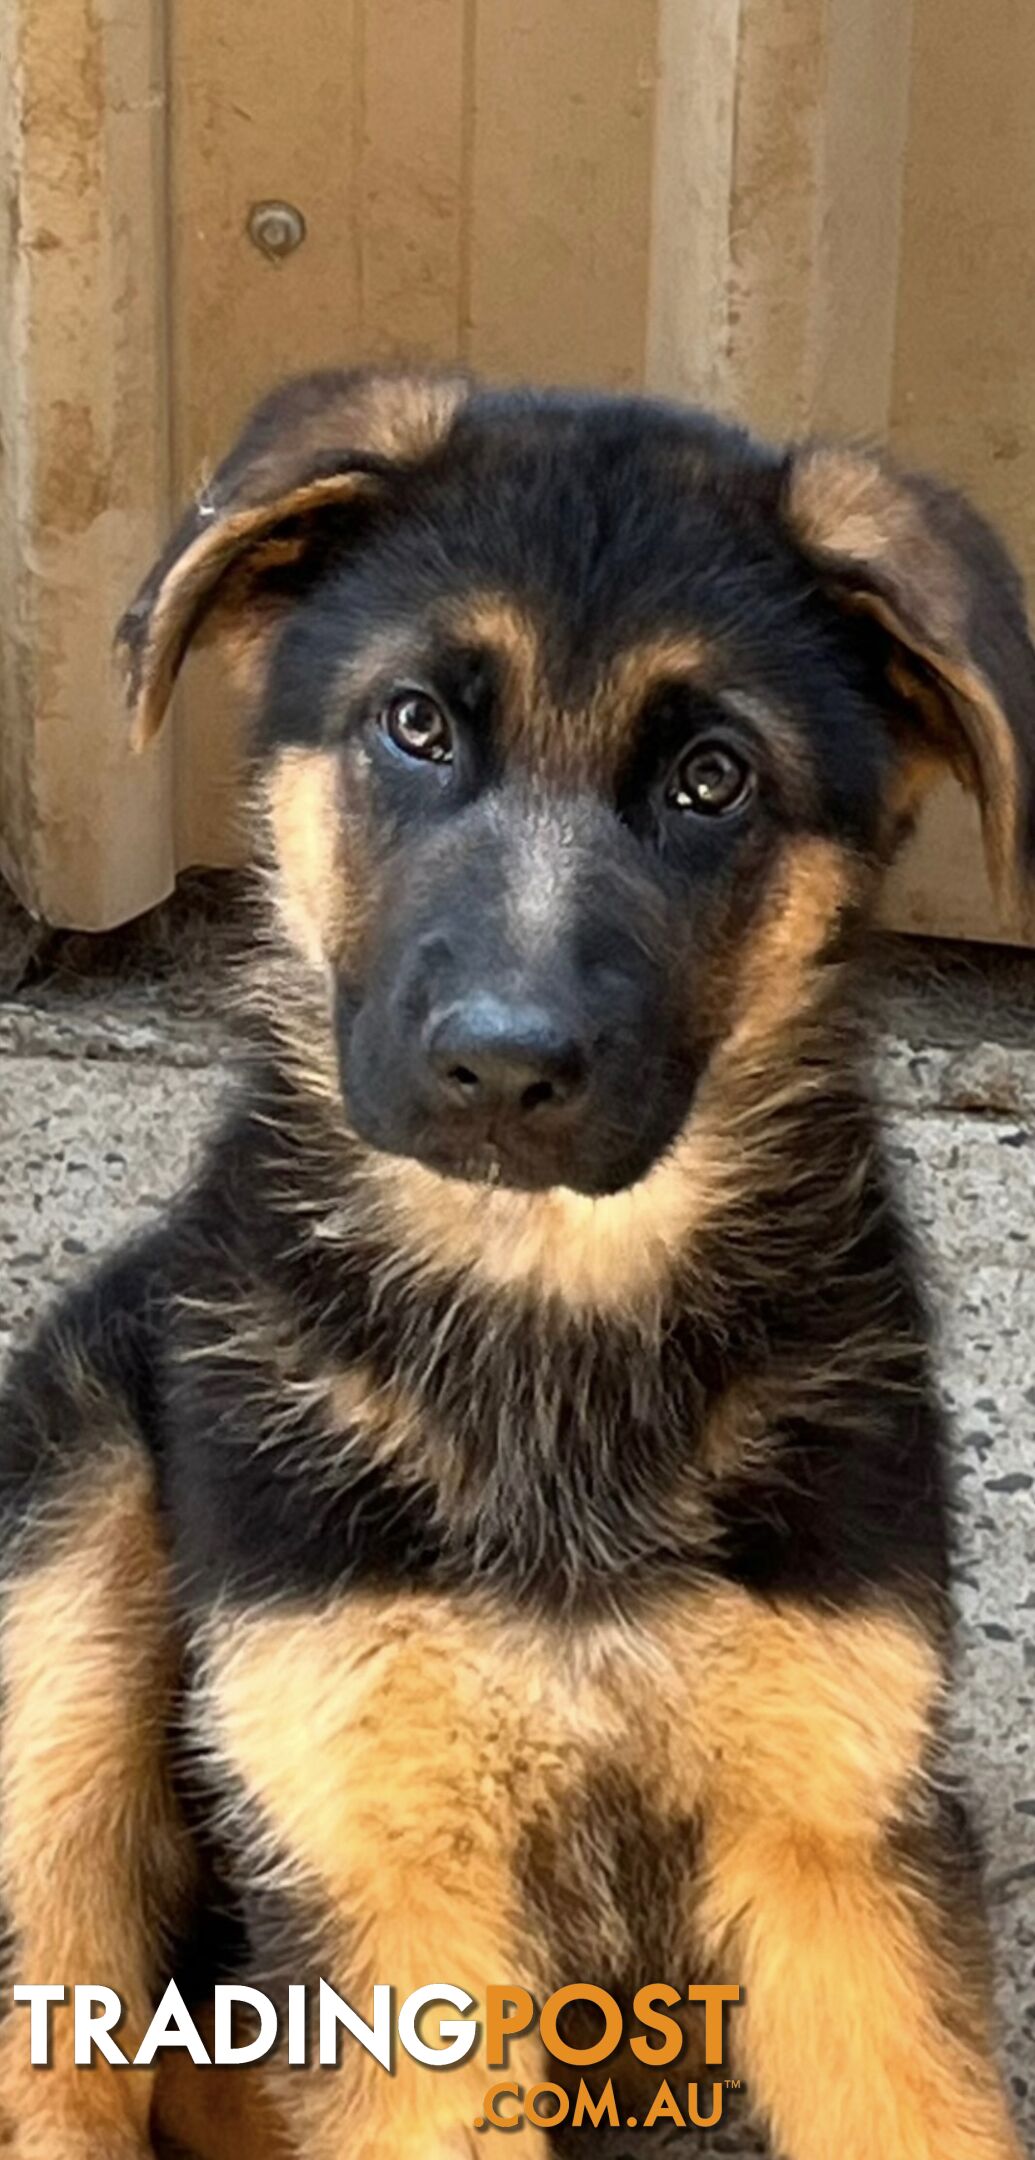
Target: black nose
point(487, 1054)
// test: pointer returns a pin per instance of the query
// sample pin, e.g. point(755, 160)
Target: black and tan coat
point(495, 1528)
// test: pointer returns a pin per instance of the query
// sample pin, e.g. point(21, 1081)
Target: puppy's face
point(564, 733)
point(578, 764)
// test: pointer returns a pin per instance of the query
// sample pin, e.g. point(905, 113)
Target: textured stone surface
point(105, 1086)
point(971, 1181)
point(88, 1148)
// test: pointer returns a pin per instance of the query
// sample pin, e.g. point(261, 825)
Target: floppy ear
point(317, 443)
point(918, 559)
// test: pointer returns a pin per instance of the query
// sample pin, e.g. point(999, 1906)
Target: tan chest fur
point(399, 1753)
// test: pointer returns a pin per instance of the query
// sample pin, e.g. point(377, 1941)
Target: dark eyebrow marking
point(773, 725)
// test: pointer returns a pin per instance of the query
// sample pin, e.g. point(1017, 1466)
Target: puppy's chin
point(498, 1169)
point(499, 1164)
point(590, 1252)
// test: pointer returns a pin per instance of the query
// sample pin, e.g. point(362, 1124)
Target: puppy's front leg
point(859, 2037)
point(841, 1894)
point(93, 1856)
point(361, 1761)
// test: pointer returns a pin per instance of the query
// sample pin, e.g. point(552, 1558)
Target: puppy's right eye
point(711, 779)
point(416, 726)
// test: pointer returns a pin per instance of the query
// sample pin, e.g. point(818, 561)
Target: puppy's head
point(587, 728)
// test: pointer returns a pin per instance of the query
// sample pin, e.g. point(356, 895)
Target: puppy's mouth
point(504, 1162)
point(491, 1163)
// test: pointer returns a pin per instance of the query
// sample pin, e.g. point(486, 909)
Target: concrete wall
point(815, 213)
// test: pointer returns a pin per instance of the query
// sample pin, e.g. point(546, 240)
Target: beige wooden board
point(688, 341)
point(84, 830)
point(820, 214)
point(474, 178)
point(964, 388)
point(963, 395)
point(557, 188)
point(271, 114)
point(778, 162)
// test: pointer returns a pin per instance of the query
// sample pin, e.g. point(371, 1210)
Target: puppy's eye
point(417, 726)
point(711, 780)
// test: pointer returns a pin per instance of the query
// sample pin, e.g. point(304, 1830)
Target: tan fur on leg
point(846, 2046)
point(92, 1854)
point(392, 1805)
point(857, 2038)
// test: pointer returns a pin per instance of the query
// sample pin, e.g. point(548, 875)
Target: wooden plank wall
point(475, 180)
point(85, 829)
point(817, 214)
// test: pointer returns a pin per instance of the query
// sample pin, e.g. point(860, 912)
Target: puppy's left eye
point(711, 780)
point(417, 726)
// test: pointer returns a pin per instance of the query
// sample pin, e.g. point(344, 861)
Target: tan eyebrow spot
point(644, 667)
point(572, 743)
point(627, 682)
point(499, 625)
point(510, 632)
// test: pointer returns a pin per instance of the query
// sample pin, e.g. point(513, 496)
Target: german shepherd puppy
point(495, 1528)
